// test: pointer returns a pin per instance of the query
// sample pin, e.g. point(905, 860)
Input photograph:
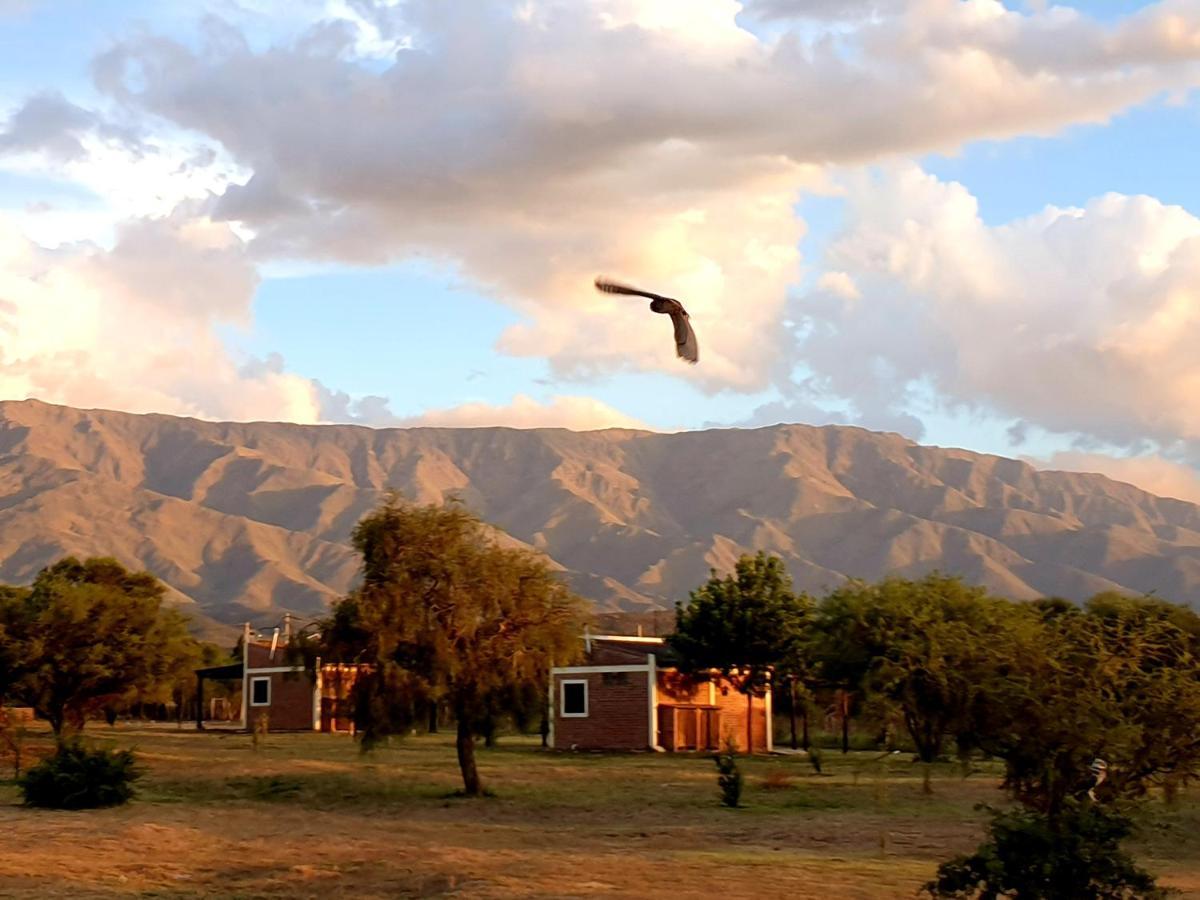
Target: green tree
point(444, 614)
point(927, 648)
point(1075, 857)
point(745, 625)
point(1119, 680)
point(87, 634)
point(11, 603)
point(1157, 644)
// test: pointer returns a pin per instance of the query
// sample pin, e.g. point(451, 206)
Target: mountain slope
point(249, 520)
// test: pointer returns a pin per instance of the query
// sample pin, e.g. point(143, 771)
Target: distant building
point(285, 693)
point(627, 694)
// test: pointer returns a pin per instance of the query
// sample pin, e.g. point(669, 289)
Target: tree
point(744, 625)
point(444, 614)
point(11, 600)
point(1076, 857)
point(926, 647)
point(1158, 644)
point(1119, 680)
point(86, 634)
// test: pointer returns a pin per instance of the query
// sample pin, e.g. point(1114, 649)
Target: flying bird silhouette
point(685, 338)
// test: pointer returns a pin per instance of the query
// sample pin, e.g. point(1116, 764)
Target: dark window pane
point(574, 699)
point(260, 691)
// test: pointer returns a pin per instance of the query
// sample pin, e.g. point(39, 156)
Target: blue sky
point(380, 320)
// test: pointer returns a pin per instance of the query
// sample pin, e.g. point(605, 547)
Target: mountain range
point(246, 521)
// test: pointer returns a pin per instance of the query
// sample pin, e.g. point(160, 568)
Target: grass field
point(308, 816)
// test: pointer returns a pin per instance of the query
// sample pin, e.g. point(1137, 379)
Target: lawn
point(308, 816)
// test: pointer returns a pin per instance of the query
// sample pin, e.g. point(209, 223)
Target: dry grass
point(307, 816)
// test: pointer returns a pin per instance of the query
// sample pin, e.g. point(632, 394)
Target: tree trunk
point(433, 718)
point(544, 728)
point(804, 725)
point(926, 773)
point(792, 711)
point(466, 758)
point(845, 713)
point(57, 720)
point(750, 722)
point(1171, 791)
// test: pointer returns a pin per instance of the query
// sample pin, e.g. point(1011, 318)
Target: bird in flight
point(685, 338)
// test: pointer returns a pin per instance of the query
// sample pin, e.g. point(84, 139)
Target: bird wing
point(608, 286)
point(685, 339)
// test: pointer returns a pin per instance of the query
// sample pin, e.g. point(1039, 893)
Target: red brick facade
point(618, 716)
point(290, 707)
point(680, 714)
point(289, 702)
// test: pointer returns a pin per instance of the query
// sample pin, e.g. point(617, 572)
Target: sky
point(971, 222)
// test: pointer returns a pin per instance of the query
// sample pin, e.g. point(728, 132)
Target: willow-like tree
point(445, 614)
point(745, 625)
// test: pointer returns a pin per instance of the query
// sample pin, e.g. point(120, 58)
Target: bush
point(79, 777)
point(814, 757)
point(730, 777)
point(1075, 856)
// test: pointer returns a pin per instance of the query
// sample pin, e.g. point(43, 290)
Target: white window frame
point(562, 698)
point(254, 680)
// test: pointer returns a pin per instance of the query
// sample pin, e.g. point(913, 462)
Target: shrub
point(79, 777)
point(1075, 856)
point(814, 757)
point(729, 778)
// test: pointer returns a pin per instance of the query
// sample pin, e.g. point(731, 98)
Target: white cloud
point(839, 284)
point(539, 143)
point(1152, 473)
point(575, 413)
point(1077, 320)
point(133, 328)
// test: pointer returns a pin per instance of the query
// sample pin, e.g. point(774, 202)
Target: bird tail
point(609, 286)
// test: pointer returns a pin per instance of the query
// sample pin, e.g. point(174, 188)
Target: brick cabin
point(627, 695)
point(290, 697)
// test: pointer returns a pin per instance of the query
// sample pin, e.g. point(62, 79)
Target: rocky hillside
point(245, 521)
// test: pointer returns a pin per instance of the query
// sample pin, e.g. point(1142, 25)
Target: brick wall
point(674, 687)
point(260, 655)
point(291, 706)
point(605, 653)
point(618, 710)
point(618, 713)
point(733, 704)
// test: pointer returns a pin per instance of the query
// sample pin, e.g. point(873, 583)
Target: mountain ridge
point(248, 520)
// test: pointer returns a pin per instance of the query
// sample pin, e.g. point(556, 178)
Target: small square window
point(260, 691)
point(575, 698)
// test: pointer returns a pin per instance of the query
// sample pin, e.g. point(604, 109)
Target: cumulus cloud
point(823, 10)
point(575, 413)
point(1076, 320)
point(538, 143)
point(132, 328)
point(535, 144)
point(1152, 473)
point(51, 124)
point(572, 412)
